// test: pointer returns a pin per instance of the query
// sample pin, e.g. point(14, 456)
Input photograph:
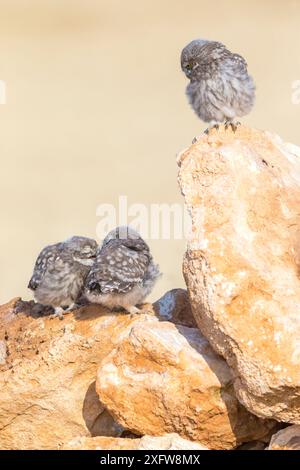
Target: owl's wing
point(51, 259)
point(118, 269)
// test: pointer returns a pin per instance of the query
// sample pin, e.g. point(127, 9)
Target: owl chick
point(60, 272)
point(124, 272)
point(220, 87)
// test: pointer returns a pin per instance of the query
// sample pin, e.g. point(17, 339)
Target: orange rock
point(242, 264)
point(161, 378)
point(47, 380)
point(166, 442)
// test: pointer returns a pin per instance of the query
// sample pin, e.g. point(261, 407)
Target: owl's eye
point(189, 66)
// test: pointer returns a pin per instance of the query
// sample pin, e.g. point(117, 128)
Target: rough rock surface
point(162, 378)
point(243, 261)
point(254, 445)
point(286, 439)
point(47, 380)
point(175, 307)
point(166, 442)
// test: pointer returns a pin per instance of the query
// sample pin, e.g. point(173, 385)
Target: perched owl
point(220, 87)
point(124, 272)
point(60, 272)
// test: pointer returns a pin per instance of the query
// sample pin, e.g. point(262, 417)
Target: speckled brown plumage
point(220, 87)
point(60, 271)
point(124, 272)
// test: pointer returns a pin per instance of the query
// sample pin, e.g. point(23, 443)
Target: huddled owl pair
point(118, 274)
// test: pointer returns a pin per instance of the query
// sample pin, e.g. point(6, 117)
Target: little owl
point(124, 272)
point(60, 272)
point(220, 87)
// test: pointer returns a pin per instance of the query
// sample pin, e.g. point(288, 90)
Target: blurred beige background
point(96, 109)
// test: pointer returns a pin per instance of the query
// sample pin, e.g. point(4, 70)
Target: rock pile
point(98, 374)
point(216, 367)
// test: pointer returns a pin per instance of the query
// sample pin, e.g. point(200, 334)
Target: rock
point(3, 353)
point(166, 442)
point(161, 378)
point(47, 381)
point(286, 439)
point(254, 445)
point(175, 307)
point(243, 261)
point(97, 419)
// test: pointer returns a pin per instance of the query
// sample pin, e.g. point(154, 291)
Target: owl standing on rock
point(124, 272)
point(220, 88)
point(60, 272)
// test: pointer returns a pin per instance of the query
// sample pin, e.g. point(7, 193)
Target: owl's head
point(198, 55)
point(123, 232)
point(83, 249)
point(126, 236)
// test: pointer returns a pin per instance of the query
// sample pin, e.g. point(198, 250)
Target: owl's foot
point(148, 310)
point(133, 311)
point(58, 313)
point(72, 307)
point(233, 124)
point(212, 125)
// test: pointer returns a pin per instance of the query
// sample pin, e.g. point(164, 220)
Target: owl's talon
point(212, 125)
point(134, 311)
point(132, 316)
point(233, 124)
point(148, 311)
point(58, 313)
